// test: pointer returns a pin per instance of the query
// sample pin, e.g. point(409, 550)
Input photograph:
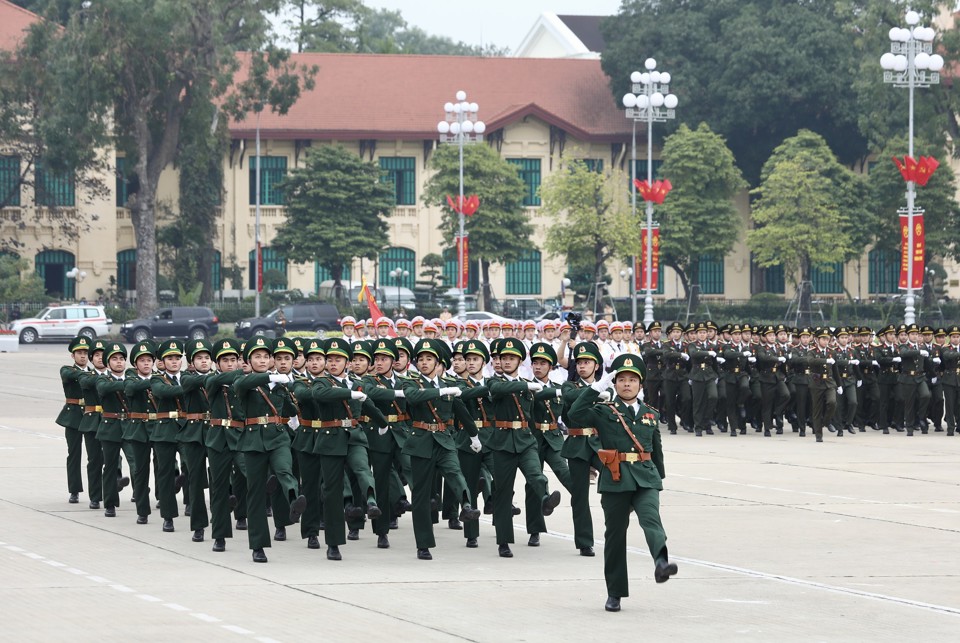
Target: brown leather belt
point(310, 424)
point(338, 424)
point(581, 432)
point(172, 415)
point(233, 424)
point(113, 416)
point(266, 419)
point(546, 426)
point(75, 401)
point(196, 416)
point(516, 424)
point(403, 417)
point(93, 409)
point(428, 426)
point(633, 457)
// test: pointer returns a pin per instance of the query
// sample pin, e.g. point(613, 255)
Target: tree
point(699, 217)
point(432, 273)
point(145, 63)
point(755, 71)
point(337, 210)
point(499, 232)
point(19, 282)
point(592, 219)
point(801, 215)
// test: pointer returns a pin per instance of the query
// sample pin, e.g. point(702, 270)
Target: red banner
point(464, 271)
point(640, 270)
point(916, 255)
point(259, 267)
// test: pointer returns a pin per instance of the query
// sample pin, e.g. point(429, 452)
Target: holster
point(611, 460)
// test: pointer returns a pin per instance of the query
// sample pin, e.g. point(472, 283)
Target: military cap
point(98, 345)
point(446, 358)
point(941, 332)
point(431, 346)
point(474, 347)
point(927, 330)
point(769, 330)
point(80, 343)
point(823, 331)
point(804, 331)
point(953, 330)
point(361, 348)
point(195, 346)
point(889, 328)
point(617, 325)
point(602, 323)
point(417, 321)
point(795, 331)
point(711, 325)
point(284, 345)
point(226, 347)
point(903, 328)
point(726, 328)
point(347, 321)
point(912, 328)
point(736, 328)
point(403, 322)
point(141, 349)
point(493, 323)
point(169, 347)
point(298, 343)
point(781, 328)
point(675, 326)
point(628, 363)
point(459, 347)
point(315, 347)
point(385, 347)
point(865, 330)
point(587, 350)
point(112, 349)
point(338, 346)
point(542, 350)
point(841, 330)
point(628, 325)
point(588, 325)
point(513, 347)
point(701, 325)
point(258, 343)
point(384, 321)
point(495, 346)
point(654, 325)
point(746, 327)
point(690, 327)
point(403, 344)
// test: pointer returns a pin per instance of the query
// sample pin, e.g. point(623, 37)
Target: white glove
point(933, 380)
point(781, 359)
point(747, 354)
point(712, 353)
point(839, 390)
point(685, 356)
point(277, 378)
point(925, 353)
point(536, 387)
point(859, 383)
point(605, 396)
point(897, 359)
point(398, 393)
point(831, 361)
point(451, 390)
point(383, 430)
point(855, 362)
point(752, 359)
point(294, 422)
point(358, 395)
point(720, 360)
point(875, 363)
point(936, 360)
point(559, 394)
point(475, 445)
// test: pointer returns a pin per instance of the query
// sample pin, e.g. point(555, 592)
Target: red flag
point(259, 267)
point(375, 313)
point(901, 167)
point(656, 192)
point(926, 166)
point(911, 164)
point(464, 205)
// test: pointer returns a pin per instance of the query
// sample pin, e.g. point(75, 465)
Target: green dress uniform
point(137, 428)
point(868, 409)
point(196, 423)
point(676, 395)
point(653, 356)
point(888, 360)
point(733, 371)
point(476, 474)
point(89, 424)
point(823, 385)
point(110, 389)
point(774, 395)
point(630, 480)
point(912, 383)
point(168, 396)
point(800, 380)
point(70, 417)
point(848, 368)
point(950, 364)
point(703, 387)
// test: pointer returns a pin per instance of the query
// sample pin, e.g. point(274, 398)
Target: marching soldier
point(652, 352)
point(800, 380)
point(703, 378)
point(196, 422)
point(823, 382)
point(888, 362)
point(733, 371)
point(165, 389)
point(91, 422)
point(70, 418)
point(676, 394)
point(913, 382)
point(141, 416)
point(773, 388)
point(110, 432)
point(848, 369)
point(950, 356)
point(869, 407)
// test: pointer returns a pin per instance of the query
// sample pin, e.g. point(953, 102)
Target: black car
point(313, 317)
point(192, 322)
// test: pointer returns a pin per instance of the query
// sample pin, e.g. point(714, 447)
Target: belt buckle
point(151, 416)
point(516, 424)
point(544, 426)
point(346, 424)
point(262, 420)
point(173, 415)
point(393, 418)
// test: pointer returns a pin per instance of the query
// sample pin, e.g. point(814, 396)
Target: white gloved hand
point(936, 360)
point(933, 380)
point(859, 383)
point(747, 354)
point(839, 390)
point(277, 378)
point(831, 361)
point(559, 394)
point(685, 356)
point(752, 359)
point(781, 359)
point(475, 445)
point(535, 387)
point(925, 353)
point(383, 430)
point(398, 393)
point(897, 359)
point(358, 395)
point(855, 362)
point(294, 422)
point(720, 360)
point(605, 396)
point(875, 363)
point(712, 353)
point(451, 390)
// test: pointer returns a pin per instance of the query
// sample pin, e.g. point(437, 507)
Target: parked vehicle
point(315, 317)
point(58, 322)
point(192, 322)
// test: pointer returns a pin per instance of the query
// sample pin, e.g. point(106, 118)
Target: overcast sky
point(500, 22)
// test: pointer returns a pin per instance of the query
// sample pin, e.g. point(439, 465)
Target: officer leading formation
point(434, 417)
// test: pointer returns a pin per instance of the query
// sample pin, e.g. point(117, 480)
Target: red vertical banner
point(259, 267)
point(640, 270)
point(915, 254)
point(464, 267)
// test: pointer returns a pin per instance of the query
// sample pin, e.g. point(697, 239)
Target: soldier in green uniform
point(168, 394)
point(913, 382)
point(432, 401)
point(869, 406)
point(800, 379)
point(222, 442)
point(633, 471)
point(733, 371)
point(304, 443)
point(72, 414)
point(888, 365)
point(90, 422)
point(824, 376)
point(141, 416)
point(265, 445)
point(196, 423)
point(284, 358)
point(476, 466)
point(652, 352)
point(676, 393)
point(848, 368)
point(360, 483)
point(773, 389)
point(950, 365)
point(703, 380)
point(110, 431)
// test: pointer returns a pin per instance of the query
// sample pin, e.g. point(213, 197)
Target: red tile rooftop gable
point(401, 97)
point(14, 22)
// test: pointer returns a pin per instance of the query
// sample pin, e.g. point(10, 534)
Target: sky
point(501, 22)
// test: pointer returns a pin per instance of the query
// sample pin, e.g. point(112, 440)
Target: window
point(594, 165)
point(127, 269)
point(769, 279)
point(401, 172)
point(165, 314)
point(272, 171)
point(215, 272)
point(73, 313)
point(57, 313)
point(884, 268)
point(91, 313)
point(123, 184)
point(451, 264)
point(529, 171)
point(54, 189)
point(711, 275)
point(272, 261)
point(9, 181)
point(523, 275)
point(322, 274)
point(402, 258)
point(52, 267)
point(825, 282)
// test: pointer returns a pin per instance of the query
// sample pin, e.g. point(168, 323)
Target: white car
point(481, 316)
point(63, 322)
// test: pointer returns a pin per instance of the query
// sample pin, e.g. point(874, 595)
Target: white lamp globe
point(656, 99)
point(461, 95)
point(650, 64)
point(83, 274)
point(912, 18)
point(479, 127)
point(467, 127)
point(644, 78)
point(928, 33)
point(629, 101)
point(635, 77)
point(936, 62)
point(670, 101)
point(448, 107)
point(465, 107)
point(894, 33)
point(654, 77)
point(905, 35)
point(474, 108)
point(900, 63)
point(443, 127)
point(456, 108)
point(665, 77)
point(922, 60)
point(887, 61)
point(643, 102)
point(454, 128)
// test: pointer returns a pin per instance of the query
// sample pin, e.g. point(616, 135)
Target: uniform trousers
point(195, 456)
point(505, 467)
point(111, 473)
point(423, 472)
point(823, 403)
point(617, 507)
point(164, 473)
point(221, 462)
point(311, 467)
point(141, 475)
point(259, 464)
point(534, 505)
point(580, 498)
point(385, 482)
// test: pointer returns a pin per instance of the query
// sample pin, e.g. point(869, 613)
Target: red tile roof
point(401, 97)
point(14, 21)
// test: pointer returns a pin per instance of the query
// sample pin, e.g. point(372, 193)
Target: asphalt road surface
point(855, 539)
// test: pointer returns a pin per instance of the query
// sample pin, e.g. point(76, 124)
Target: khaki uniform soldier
point(476, 466)
point(72, 414)
point(168, 396)
point(433, 403)
point(222, 442)
point(265, 445)
point(110, 432)
point(196, 423)
point(950, 363)
point(141, 416)
point(90, 422)
point(823, 382)
point(633, 472)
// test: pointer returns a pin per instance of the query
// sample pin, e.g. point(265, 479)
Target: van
point(385, 296)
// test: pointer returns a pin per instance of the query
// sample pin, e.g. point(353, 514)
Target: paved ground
point(851, 540)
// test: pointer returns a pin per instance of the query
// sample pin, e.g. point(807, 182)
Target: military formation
point(438, 417)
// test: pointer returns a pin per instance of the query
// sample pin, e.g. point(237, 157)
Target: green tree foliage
point(756, 71)
point(591, 218)
point(698, 217)
point(431, 274)
point(337, 210)
point(18, 281)
point(500, 230)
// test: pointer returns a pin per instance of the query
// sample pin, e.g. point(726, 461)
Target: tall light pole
point(650, 101)
point(399, 274)
point(256, 227)
point(460, 126)
point(909, 64)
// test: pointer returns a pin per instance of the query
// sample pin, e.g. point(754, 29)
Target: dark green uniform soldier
point(703, 381)
point(141, 416)
point(950, 365)
point(90, 422)
point(305, 442)
point(676, 393)
point(733, 371)
point(912, 382)
point(284, 357)
point(196, 423)
point(265, 445)
point(888, 364)
point(72, 414)
point(848, 369)
point(824, 376)
point(168, 396)
point(633, 471)
point(800, 379)
point(110, 432)
point(472, 464)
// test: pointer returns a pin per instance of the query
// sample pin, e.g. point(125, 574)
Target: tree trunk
point(145, 232)
point(804, 313)
point(693, 290)
point(336, 271)
point(204, 267)
point(485, 275)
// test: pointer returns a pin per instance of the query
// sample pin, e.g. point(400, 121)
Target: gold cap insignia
point(82, 342)
point(313, 345)
point(173, 345)
point(259, 342)
point(509, 344)
point(382, 345)
point(583, 349)
point(628, 362)
point(115, 347)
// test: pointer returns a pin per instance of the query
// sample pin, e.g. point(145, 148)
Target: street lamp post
point(256, 230)
point(460, 126)
point(399, 274)
point(649, 101)
point(909, 64)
